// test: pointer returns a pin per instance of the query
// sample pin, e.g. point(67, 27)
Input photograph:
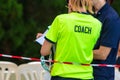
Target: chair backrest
point(46, 75)
point(34, 62)
point(7, 70)
point(32, 71)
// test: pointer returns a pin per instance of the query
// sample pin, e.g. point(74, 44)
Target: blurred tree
point(15, 33)
point(42, 13)
point(10, 24)
point(20, 20)
point(116, 5)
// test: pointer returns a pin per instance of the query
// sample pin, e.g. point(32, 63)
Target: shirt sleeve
point(52, 34)
point(110, 33)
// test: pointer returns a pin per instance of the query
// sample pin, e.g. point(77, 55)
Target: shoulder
point(111, 17)
point(98, 21)
point(112, 21)
point(111, 14)
point(107, 13)
point(95, 20)
point(61, 17)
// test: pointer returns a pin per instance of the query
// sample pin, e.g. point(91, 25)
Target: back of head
point(85, 5)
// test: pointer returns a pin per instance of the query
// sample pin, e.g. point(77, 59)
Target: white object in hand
point(41, 39)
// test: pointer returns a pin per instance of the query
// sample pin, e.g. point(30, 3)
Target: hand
point(39, 35)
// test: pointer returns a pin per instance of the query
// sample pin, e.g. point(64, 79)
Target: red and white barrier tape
point(37, 59)
point(19, 57)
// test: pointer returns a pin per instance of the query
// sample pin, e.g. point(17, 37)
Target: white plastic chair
point(117, 74)
point(7, 70)
point(32, 71)
point(46, 75)
point(34, 62)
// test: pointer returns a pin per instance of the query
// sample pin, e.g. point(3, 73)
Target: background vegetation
point(20, 20)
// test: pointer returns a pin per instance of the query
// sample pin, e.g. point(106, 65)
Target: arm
point(101, 53)
point(46, 48)
point(109, 38)
point(118, 54)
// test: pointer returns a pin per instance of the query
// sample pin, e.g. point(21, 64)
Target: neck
point(98, 5)
point(80, 10)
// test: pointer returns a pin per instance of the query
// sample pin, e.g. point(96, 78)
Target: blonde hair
point(86, 5)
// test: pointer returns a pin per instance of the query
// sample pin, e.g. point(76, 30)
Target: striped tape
point(37, 59)
point(19, 57)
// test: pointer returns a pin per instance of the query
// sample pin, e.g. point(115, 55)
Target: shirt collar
point(104, 8)
point(81, 12)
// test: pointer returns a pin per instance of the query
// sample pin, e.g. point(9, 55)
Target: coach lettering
point(83, 29)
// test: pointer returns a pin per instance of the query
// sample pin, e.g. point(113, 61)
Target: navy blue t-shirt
point(110, 36)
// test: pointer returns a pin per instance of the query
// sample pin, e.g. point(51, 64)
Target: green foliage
point(116, 5)
point(55, 3)
point(10, 10)
point(11, 21)
point(2, 32)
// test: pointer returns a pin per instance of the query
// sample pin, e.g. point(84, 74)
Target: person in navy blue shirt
point(106, 48)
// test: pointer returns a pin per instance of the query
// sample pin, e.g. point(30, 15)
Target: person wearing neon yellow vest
point(75, 35)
